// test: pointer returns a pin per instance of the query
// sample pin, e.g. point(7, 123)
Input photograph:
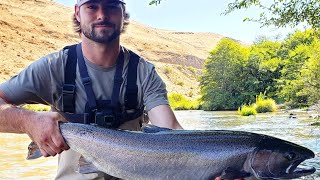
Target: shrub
point(180, 83)
point(190, 93)
point(265, 105)
point(179, 102)
point(245, 110)
point(192, 69)
point(36, 107)
point(167, 70)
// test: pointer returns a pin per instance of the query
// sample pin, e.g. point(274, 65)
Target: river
point(295, 128)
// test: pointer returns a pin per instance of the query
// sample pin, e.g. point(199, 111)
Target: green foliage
point(298, 52)
point(286, 71)
point(264, 65)
point(36, 107)
point(264, 105)
point(180, 102)
point(155, 2)
point(247, 110)
point(224, 78)
point(309, 77)
point(281, 13)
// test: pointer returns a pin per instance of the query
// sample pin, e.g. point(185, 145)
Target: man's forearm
point(42, 128)
point(13, 119)
point(163, 116)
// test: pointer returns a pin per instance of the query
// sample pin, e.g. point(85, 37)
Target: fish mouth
point(296, 170)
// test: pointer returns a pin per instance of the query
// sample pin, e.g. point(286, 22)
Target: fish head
point(278, 159)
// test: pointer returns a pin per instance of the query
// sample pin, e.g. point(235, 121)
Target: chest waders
point(105, 113)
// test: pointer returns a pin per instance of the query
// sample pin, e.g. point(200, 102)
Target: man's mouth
point(104, 25)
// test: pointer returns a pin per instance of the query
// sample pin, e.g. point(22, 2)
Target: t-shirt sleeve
point(154, 89)
point(33, 84)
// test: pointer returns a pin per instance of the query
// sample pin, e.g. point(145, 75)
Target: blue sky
point(200, 16)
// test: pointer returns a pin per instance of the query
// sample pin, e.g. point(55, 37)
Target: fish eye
point(290, 156)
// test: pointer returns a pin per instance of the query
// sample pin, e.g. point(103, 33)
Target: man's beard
point(103, 36)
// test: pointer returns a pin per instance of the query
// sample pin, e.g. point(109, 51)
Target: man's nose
point(103, 13)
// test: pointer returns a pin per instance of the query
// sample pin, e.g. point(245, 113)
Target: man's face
point(101, 21)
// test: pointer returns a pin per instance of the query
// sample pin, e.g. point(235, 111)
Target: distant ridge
point(30, 29)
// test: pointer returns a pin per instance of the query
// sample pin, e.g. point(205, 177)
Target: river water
point(295, 128)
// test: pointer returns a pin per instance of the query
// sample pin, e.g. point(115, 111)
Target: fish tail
point(33, 151)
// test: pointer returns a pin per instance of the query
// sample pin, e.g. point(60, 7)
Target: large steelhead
point(160, 153)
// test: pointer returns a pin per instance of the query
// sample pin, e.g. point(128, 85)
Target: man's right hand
point(43, 129)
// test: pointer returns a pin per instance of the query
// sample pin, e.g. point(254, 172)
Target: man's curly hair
point(77, 27)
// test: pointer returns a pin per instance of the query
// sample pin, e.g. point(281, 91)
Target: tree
point(224, 80)
point(281, 13)
point(264, 64)
point(310, 75)
point(297, 48)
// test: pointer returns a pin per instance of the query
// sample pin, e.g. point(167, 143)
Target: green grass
point(179, 102)
point(247, 110)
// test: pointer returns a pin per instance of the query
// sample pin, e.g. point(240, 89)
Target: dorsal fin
point(148, 128)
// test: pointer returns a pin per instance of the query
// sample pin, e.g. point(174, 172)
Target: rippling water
point(13, 147)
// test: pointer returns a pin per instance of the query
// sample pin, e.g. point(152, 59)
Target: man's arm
point(163, 116)
point(41, 127)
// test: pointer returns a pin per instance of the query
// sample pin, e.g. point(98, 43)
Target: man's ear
point(77, 12)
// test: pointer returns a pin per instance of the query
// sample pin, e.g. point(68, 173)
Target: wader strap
point(68, 91)
point(117, 81)
point(131, 101)
point(86, 81)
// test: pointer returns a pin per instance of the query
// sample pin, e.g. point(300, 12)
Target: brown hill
point(30, 29)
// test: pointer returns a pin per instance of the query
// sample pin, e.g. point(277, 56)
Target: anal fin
point(86, 167)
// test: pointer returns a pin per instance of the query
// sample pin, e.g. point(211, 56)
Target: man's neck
point(104, 55)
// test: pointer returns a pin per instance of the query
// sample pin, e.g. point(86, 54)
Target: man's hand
point(43, 129)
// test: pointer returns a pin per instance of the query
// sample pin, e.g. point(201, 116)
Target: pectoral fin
point(231, 173)
point(86, 167)
point(33, 151)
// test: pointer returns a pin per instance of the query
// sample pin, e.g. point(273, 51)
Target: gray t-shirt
point(42, 82)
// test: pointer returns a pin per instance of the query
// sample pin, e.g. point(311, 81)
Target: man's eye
point(92, 7)
point(114, 6)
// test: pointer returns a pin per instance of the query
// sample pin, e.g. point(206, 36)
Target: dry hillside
point(30, 29)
